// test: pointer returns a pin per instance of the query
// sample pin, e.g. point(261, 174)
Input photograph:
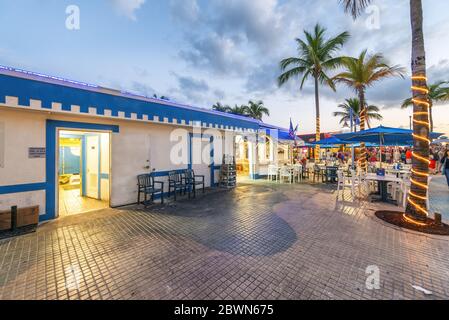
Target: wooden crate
point(25, 217)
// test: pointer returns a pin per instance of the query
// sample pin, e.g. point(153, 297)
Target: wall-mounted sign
point(36, 153)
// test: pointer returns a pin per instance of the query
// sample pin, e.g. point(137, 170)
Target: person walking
point(445, 167)
point(408, 156)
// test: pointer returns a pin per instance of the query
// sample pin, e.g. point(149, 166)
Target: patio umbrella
point(442, 140)
point(384, 136)
point(330, 141)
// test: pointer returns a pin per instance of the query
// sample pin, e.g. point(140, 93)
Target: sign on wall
point(36, 153)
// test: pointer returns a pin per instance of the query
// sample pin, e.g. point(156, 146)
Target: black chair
point(316, 173)
point(331, 175)
point(176, 182)
point(191, 181)
point(148, 186)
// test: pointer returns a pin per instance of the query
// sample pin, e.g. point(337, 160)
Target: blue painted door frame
point(51, 182)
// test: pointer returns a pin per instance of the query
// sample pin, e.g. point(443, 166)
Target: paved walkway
point(260, 241)
point(439, 196)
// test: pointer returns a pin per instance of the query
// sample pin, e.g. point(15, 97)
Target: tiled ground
point(71, 202)
point(439, 196)
point(260, 241)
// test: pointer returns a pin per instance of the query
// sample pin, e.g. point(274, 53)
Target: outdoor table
point(396, 172)
point(382, 182)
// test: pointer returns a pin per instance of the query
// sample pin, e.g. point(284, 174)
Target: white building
point(65, 144)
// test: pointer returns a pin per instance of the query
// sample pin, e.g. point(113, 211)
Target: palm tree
point(362, 73)
point(372, 112)
point(316, 56)
point(417, 206)
point(437, 93)
point(219, 107)
point(257, 110)
point(239, 110)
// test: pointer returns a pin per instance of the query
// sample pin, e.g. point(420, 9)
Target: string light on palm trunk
point(420, 118)
point(317, 138)
point(363, 153)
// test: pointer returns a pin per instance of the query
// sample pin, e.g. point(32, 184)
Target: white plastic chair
point(405, 189)
point(272, 172)
point(297, 171)
point(285, 172)
point(346, 182)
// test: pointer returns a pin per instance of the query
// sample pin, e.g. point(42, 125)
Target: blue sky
point(204, 51)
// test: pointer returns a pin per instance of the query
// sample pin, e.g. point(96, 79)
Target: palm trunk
point(362, 127)
point(318, 126)
point(431, 115)
point(417, 207)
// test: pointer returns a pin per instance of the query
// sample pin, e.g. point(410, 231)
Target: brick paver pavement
point(260, 241)
point(439, 196)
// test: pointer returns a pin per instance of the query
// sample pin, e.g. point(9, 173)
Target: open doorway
point(242, 158)
point(83, 171)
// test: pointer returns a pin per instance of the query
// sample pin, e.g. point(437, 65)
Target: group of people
point(390, 155)
point(439, 160)
point(439, 157)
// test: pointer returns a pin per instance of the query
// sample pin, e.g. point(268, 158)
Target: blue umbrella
point(330, 141)
point(384, 136)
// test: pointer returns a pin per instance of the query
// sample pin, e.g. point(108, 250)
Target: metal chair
point(176, 183)
point(148, 186)
point(191, 181)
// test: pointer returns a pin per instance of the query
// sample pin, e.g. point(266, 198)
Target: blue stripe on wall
point(18, 188)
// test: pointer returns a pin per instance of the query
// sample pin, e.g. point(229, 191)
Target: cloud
point(127, 8)
point(142, 89)
point(439, 72)
point(184, 11)
point(216, 54)
point(257, 22)
point(263, 79)
point(191, 84)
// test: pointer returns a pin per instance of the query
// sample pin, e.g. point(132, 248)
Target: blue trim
point(26, 89)
point(99, 168)
point(19, 188)
point(104, 176)
point(159, 174)
point(83, 166)
point(50, 162)
point(212, 162)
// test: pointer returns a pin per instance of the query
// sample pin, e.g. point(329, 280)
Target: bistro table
point(382, 182)
point(397, 172)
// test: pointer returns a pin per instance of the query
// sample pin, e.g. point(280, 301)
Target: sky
point(203, 51)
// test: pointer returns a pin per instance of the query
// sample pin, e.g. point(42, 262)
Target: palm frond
point(355, 7)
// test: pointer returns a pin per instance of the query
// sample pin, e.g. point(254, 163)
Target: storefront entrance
point(83, 164)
